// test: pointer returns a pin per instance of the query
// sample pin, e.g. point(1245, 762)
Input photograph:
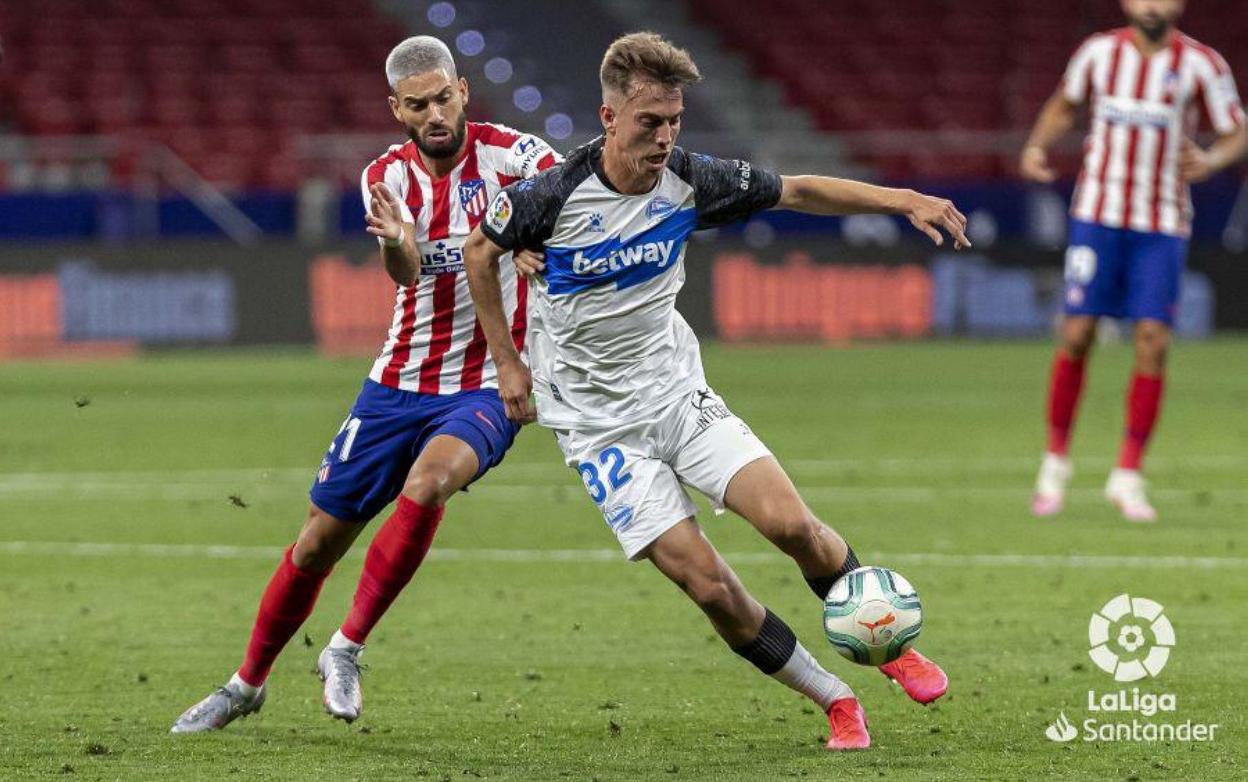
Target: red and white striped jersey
point(1142, 107)
point(436, 345)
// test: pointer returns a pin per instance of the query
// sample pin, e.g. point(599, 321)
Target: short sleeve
point(728, 190)
point(1077, 80)
point(390, 172)
point(1221, 98)
point(522, 215)
point(528, 156)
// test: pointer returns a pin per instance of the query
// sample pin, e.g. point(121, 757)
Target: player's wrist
point(387, 241)
point(508, 361)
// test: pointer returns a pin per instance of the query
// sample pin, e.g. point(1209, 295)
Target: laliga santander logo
point(1130, 639)
point(1125, 623)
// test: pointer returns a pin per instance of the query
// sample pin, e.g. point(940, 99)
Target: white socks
point(804, 674)
point(340, 641)
point(243, 687)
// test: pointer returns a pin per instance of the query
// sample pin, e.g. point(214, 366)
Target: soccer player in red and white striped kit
point(1130, 217)
point(428, 420)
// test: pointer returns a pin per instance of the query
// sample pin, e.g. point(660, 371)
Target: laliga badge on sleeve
point(500, 212)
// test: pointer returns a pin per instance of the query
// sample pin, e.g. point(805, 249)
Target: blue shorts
point(367, 464)
point(1121, 273)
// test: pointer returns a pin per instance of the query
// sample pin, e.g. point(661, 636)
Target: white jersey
point(607, 345)
point(1142, 108)
point(436, 345)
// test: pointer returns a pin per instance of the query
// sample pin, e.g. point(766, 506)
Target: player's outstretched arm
point(823, 195)
point(398, 247)
point(1055, 120)
point(481, 257)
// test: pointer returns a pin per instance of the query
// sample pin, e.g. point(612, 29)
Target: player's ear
point(607, 115)
point(394, 107)
point(463, 90)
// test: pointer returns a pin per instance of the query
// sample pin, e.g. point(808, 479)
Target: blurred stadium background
point(185, 172)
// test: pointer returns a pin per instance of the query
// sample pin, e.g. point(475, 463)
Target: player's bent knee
point(429, 487)
point(322, 541)
point(314, 552)
point(1078, 344)
point(1152, 343)
point(793, 530)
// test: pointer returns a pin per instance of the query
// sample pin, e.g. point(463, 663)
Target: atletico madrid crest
point(473, 198)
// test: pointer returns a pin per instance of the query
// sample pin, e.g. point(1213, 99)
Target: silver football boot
point(340, 670)
point(219, 709)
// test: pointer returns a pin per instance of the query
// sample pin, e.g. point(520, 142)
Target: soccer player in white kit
point(1130, 217)
point(617, 372)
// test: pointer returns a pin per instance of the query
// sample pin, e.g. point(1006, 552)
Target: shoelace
point(341, 659)
point(200, 707)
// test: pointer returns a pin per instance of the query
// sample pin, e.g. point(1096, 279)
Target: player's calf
point(755, 633)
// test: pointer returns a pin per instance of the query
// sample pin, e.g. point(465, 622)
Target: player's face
point(1154, 18)
point(431, 106)
point(644, 127)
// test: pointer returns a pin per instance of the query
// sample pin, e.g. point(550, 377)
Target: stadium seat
point(225, 83)
point(865, 65)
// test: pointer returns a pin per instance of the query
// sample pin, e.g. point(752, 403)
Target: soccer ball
point(872, 615)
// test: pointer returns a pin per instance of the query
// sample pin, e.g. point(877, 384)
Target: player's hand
point(515, 384)
point(385, 214)
point(1194, 163)
point(930, 214)
point(1034, 165)
point(528, 262)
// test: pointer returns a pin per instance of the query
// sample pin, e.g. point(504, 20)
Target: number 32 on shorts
point(612, 462)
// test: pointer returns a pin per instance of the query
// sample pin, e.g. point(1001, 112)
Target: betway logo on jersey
point(619, 261)
point(650, 252)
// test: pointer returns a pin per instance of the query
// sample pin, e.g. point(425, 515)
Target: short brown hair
point(647, 56)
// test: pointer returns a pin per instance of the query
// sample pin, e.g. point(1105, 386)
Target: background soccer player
point(1130, 217)
point(618, 371)
point(428, 421)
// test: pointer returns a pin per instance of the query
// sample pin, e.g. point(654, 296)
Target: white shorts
point(634, 472)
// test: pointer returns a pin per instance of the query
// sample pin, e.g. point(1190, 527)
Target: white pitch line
point(903, 465)
point(205, 551)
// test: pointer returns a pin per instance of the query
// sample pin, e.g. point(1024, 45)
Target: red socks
point(396, 552)
point(1065, 385)
point(1143, 404)
point(286, 603)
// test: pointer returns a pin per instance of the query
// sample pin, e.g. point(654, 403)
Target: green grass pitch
point(526, 649)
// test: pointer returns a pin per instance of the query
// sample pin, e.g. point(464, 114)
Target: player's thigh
point(710, 444)
point(469, 436)
point(368, 460)
point(1095, 271)
point(445, 465)
point(762, 493)
point(1154, 276)
point(637, 493)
